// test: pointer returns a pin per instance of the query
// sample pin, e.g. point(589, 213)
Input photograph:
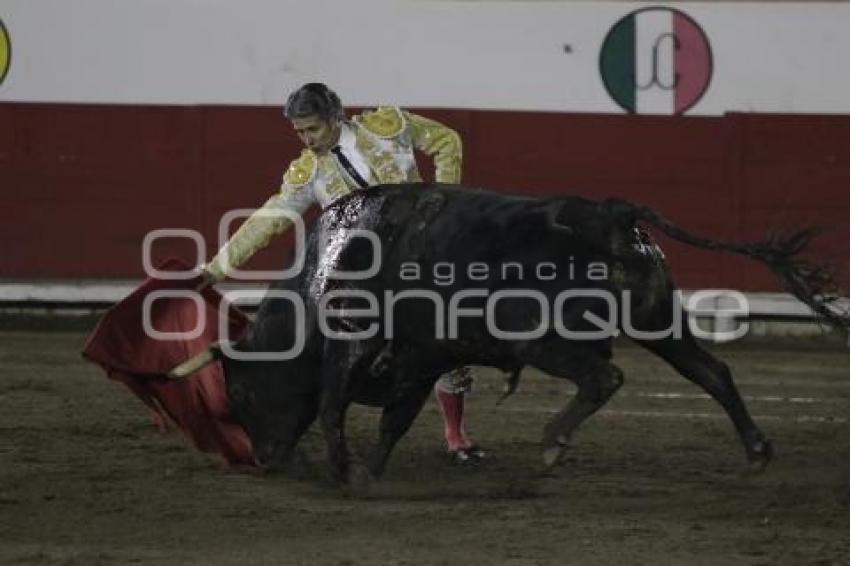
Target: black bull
point(513, 256)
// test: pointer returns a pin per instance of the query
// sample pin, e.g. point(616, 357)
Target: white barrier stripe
point(703, 416)
point(114, 290)
point(668, 414)
point(840, 382)
point(807, 419)
point(722, 416)
point(748, 398)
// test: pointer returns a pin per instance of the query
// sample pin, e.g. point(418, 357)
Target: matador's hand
point(205, 279)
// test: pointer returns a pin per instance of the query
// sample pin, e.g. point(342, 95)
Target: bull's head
point(276, 402)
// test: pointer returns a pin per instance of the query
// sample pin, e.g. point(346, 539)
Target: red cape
point(197, 405)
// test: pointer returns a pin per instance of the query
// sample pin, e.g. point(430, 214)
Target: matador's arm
point(258, 230)
point(440, 142)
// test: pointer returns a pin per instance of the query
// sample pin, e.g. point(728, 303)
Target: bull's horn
point(203, 358)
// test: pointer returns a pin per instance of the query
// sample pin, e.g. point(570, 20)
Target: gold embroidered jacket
point(386, 138)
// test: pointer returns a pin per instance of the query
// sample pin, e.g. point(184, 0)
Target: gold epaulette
point(302, 170)
point(384, 121)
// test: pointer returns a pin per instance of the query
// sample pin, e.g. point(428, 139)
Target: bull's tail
point(812, 283)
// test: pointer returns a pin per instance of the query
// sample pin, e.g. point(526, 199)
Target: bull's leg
point(713, 375)
point(395, 422)
point(597, 380)
point(332, 412)
point(333, 406)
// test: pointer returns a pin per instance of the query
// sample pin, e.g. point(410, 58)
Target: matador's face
point(317, 133)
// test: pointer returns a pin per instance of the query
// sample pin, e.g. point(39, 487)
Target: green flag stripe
point(617, 63)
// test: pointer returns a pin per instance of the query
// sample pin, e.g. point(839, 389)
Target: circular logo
point(656, 61)
point(5, 51)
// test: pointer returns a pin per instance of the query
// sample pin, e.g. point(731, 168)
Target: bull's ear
point(560, 218)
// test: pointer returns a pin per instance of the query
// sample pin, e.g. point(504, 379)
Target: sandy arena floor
point(656, 478)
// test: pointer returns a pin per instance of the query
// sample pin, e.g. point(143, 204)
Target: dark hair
point(313, 99)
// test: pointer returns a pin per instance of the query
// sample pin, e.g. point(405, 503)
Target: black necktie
point(349, 168)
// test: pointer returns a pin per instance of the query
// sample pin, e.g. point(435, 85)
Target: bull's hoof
point(553, 454)
point(358, 480)
point(759, 454)
point(271, 458)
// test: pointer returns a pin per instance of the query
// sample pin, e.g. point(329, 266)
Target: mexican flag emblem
point(656, 61)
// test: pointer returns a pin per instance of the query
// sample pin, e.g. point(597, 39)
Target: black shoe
point(476, 452)
point(467, 456)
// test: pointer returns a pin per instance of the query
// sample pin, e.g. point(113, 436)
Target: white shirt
point(348, 145)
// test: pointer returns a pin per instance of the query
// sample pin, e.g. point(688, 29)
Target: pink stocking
point(451, 405)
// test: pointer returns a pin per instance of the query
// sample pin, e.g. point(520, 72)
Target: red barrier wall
point(81, 185)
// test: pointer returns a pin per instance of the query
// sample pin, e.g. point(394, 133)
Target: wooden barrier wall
point(81, 185)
